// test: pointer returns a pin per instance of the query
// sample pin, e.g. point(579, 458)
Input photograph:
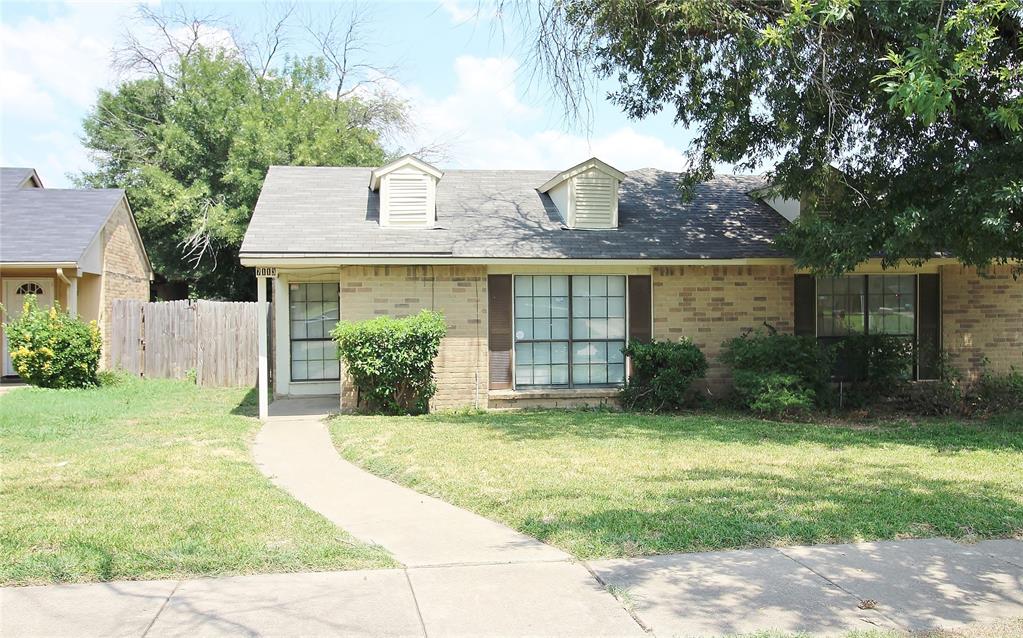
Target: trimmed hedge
point(52, 349)
point(662, 374)
point(390, 360)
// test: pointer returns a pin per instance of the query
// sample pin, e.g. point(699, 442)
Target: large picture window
point(313, 313)
point(569, 330)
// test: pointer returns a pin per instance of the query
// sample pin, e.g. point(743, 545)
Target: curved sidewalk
point(467, 574)
point(418, 530)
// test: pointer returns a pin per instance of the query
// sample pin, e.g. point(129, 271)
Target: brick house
point(543, 276)
point(78, 247)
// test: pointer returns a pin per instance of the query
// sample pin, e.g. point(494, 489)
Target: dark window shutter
point(805, 312)
point(640, 328)
point(499, 293)
point(928, 338)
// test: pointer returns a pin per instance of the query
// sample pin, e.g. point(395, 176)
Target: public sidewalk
point(819, 590)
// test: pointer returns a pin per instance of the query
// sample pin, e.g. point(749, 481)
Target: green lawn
point(605, 485)
point(149, 479)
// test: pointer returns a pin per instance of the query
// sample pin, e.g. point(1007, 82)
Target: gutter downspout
point(72, 295)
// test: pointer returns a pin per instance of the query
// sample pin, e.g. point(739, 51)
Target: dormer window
point(408, 193)
point(586, 195)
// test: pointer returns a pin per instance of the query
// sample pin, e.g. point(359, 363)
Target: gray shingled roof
point(49, 224)
point(500, 214)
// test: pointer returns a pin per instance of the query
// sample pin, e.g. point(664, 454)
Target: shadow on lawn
point(999, 433)
point(748, 507)
point(249, 405)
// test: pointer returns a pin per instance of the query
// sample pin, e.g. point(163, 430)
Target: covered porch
point(299, 374)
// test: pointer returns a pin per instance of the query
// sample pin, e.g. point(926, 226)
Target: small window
point(30, 288)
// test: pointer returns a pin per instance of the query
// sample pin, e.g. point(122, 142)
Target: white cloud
point(481, 124)
point(23, 97)
point(67, 56)
point(462, 11)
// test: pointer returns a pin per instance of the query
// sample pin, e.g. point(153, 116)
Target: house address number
point(266, 272)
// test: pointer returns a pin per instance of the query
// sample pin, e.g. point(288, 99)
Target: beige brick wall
point(714, 303)
point(982, 316)
point(125, 273)
point(459, 292)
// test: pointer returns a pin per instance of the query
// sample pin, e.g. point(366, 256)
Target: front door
point(14, 298)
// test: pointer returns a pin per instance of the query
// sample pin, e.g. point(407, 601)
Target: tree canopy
point(191, 141)
point(898, 124)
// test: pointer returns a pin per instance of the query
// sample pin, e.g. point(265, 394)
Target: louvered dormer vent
point(586, 195)
point(408, 193)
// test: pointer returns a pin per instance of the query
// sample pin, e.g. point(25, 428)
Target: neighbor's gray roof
point(48, 225)
point(500, 214)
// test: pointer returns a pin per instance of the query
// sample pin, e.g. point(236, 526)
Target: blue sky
point(460, 70)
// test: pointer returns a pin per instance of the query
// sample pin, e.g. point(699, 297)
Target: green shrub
point(876, 366)
point(950, 395)
point(390, 360)
point(773, 393)
point(662, 374)
point(110, 378)
point(778, 373)
point(876, 360)
point(1000, 392)
point(52, 349)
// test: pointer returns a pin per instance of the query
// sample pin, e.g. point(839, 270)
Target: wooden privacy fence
point(169, 339)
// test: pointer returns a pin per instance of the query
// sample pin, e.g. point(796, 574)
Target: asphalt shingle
point(48, 225)
point(500, 214)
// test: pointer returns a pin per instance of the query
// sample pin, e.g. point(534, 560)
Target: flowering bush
point(52, 349)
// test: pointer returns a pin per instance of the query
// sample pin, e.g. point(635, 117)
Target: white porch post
point(261, 309)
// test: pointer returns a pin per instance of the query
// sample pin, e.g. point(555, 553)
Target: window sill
point(555, 393)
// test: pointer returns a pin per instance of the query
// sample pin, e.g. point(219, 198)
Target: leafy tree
point(192, 139)
point(897, 123)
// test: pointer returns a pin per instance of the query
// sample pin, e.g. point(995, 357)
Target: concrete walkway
point(467, 574)
point(418, 530)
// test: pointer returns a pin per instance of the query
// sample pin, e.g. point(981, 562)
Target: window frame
point(292, 339)
point(570, 341)
point(914, 337)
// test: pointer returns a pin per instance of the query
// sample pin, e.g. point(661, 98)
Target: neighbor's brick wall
point(714, 303)
point(459, 292)
point(125, 275)
point(982, 316)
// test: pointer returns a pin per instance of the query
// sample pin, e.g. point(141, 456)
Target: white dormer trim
point(408, 192)
point(582, 167)
point(586, 195)
point(402, 162)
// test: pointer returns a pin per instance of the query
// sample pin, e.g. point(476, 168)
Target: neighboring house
point(543, 276)
point(78, 247)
